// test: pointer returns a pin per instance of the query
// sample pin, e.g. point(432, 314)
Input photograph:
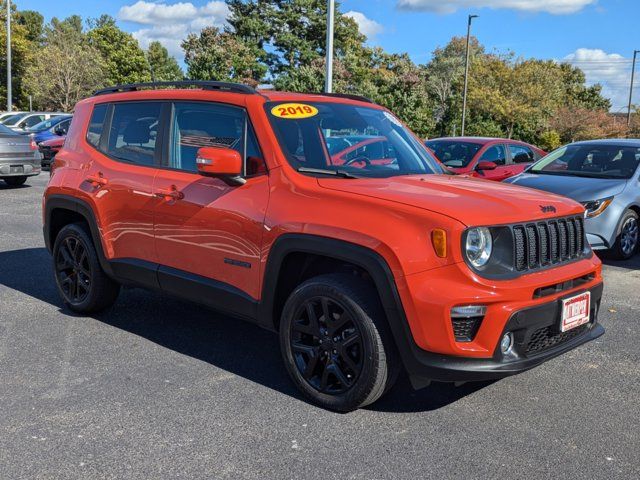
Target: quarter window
point(495, 154)
point(133, 132)
point(521, 154)
point(96, 124)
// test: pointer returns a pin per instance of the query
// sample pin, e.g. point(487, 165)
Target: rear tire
point(82, 283)
point(626, 244)
point(15, 181)
point(336, 343)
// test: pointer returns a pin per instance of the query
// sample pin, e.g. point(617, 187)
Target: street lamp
point(466, 75)
point(328, 80)
point(9, 99)
point(633, 71)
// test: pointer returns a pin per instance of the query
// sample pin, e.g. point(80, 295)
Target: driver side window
point(495, 154)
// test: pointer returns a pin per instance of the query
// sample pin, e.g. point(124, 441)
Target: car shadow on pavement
point(632, 264)
point(5, 186)
point(233, 345)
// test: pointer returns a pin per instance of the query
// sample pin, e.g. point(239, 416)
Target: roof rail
point(204, 84)
point(360, 98)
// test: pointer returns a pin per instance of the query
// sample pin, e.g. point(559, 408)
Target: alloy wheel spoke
point(339, 374)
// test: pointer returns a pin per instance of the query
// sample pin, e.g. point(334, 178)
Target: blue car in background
point(48, 129)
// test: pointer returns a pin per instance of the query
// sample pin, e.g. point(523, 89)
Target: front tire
point(82, 283)
point(335, 342)
point(628, 236)
point(15, 181)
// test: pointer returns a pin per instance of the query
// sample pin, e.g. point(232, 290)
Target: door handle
point(97, 180)
point(171, 194)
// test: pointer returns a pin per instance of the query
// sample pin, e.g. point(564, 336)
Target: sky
point(598, 36)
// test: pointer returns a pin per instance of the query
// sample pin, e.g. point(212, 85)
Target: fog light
point(506, 344)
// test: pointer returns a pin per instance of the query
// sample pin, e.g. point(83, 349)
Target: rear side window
point(521, 154)
point(96, 124)
point(133, 132)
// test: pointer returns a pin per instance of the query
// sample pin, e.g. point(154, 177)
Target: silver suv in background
point(19, 157)
point(603, 175)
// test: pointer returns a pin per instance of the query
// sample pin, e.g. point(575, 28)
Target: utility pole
point(633, 71)
point(466, 76)
point(9, 93)
point(328, 81)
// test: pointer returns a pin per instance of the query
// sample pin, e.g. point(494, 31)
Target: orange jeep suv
point(321, 217)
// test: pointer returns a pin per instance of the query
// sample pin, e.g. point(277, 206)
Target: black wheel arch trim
point(369, 260)
point(73, 204)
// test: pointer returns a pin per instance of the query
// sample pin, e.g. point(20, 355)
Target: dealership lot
point(158, 388)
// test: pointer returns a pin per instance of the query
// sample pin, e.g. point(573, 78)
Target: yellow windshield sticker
point(294, 111)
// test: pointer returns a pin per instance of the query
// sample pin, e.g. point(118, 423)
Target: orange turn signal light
point(439, 239)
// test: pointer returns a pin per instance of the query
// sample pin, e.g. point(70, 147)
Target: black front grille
point(548, 337)
point(465, 329)
point(545, 243)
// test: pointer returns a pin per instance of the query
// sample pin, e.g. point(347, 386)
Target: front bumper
point(537, 339)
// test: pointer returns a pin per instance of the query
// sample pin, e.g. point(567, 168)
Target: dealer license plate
point(575, 311)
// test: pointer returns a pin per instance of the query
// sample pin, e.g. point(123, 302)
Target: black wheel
point(15, 181)
point(335, 342)
point(82, 283)
point(628, 236)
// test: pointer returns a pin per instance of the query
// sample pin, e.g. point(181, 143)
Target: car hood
point(469, 200)
point(581, 189)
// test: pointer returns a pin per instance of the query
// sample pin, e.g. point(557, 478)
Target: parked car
point(49, 149)
point(19, 157)
point(12, 117)
point(52, 128)
point(6, 115)
point(227, 196)
point(489, 158)
point(604, 176)
point(29, 120)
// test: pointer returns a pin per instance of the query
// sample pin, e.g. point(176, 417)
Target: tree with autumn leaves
point(282, 42)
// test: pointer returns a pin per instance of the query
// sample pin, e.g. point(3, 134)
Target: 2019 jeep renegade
point(324, 218)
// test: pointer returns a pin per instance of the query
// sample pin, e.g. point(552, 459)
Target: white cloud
point(369, 28)
point(611, 70)
point(171, 23)
point(557, 7)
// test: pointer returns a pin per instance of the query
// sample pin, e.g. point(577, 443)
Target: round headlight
point(479, 246)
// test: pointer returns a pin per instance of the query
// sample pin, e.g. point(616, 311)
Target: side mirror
point(60, 131)
point(224, 163)
point(486, 166)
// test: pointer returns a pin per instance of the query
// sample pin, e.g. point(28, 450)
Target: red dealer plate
point(575, 311)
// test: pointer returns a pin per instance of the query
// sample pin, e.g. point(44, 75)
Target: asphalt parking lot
point(158, 388)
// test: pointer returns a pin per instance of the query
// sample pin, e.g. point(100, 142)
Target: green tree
point(163, 67)
point(216, 55)
point(63, 73)
point(33, 23)
point(123, 58)
point(23, 50)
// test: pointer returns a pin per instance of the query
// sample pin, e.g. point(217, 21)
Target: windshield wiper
point(322, 171)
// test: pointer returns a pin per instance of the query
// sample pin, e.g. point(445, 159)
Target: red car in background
point(48, 150)
point(490, 158)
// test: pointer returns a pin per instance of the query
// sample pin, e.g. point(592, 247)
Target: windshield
point(452, 153)
point(600, 161)
point(6, 131)
point(46, 124)
point(348, 139)
point(13, 119)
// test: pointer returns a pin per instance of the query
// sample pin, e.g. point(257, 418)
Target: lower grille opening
point(548, 337)
point(465, 329)
point(563, 286)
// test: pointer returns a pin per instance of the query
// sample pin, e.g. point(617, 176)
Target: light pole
point(466, 75)
point(328, 81)
point(633, 71)
point(9, 94)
